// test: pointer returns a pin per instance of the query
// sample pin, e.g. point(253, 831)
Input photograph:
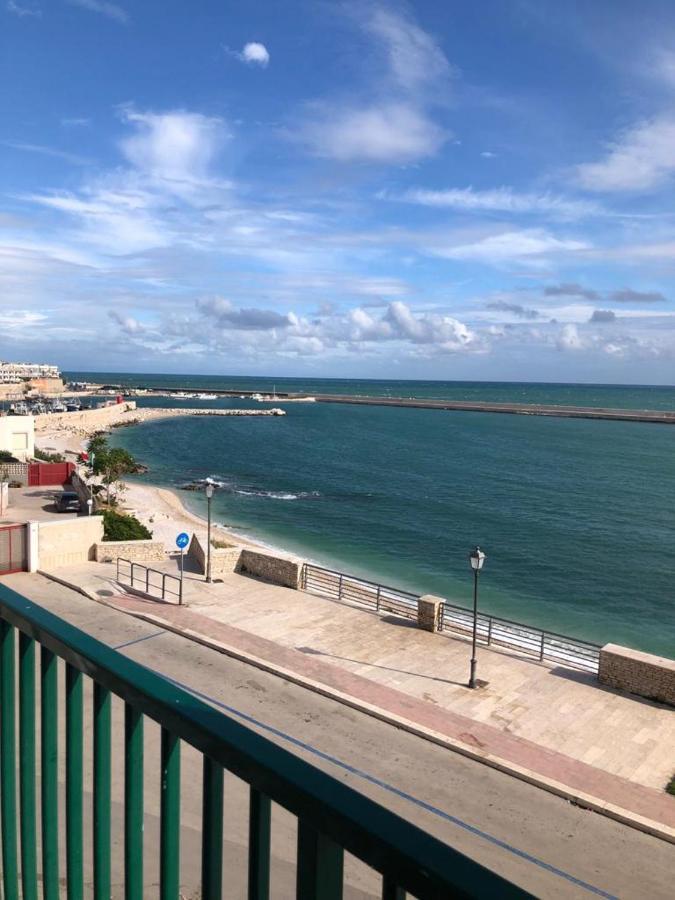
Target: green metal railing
point(332, 818)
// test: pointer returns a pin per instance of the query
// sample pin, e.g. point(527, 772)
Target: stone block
point(429, 612)
point(638, 673)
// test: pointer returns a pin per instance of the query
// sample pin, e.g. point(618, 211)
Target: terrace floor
point(565, 713)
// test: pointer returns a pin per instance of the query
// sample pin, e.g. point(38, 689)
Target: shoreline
point(161, 509)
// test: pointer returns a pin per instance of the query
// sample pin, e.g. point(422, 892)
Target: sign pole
point(182, 540)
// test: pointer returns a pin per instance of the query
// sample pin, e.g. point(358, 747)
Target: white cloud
point(111, 10)
point(414, 57)
point(255, 54)
point(642, 158)
point(488, 154)
point(388, 133)
point(502, 199)
point(48, 151)
point(392, 123)
point(530, 246)
point(176, 146)
point(23, 10)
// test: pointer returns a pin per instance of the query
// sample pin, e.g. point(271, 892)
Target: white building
point(16, 372)
point(17, 435)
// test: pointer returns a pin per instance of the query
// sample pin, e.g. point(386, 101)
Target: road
point(541, 842)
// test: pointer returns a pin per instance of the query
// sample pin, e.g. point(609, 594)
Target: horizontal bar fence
point(492, 631)
point(332, 818)
point(151, 581)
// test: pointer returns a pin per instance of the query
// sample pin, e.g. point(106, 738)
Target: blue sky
point(424, 190)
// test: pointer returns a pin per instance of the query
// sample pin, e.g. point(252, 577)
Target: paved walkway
point(556, 724)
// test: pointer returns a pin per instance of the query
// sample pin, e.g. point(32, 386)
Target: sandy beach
point(160, 509)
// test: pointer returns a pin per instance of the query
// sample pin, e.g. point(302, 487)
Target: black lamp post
point(476, 558)
point(208, 490)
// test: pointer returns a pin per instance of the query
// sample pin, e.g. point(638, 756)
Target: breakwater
point(662, 417)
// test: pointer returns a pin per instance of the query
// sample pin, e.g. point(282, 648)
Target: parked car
point(68, 501)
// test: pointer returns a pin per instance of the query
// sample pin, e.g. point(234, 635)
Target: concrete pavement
point(461, 801)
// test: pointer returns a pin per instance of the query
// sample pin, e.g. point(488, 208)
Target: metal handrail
point(332, 817)
point(145, 578)
point(492, 630)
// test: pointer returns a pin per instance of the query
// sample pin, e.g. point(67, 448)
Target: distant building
point(13, 373)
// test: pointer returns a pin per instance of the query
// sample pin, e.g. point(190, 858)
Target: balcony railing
point(331, 818)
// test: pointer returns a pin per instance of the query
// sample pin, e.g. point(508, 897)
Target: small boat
point(73, 406)
point(19, 409)
point(206, 397)
point(57, 407)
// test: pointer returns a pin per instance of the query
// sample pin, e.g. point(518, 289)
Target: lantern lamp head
point(476, 558)
point(208, 490)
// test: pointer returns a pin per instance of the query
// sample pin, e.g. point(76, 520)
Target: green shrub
point(45, 456)
point(670, 787)
point(118, 527)
point(6, 456)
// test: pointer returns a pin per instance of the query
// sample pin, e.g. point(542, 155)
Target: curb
point(586, 801)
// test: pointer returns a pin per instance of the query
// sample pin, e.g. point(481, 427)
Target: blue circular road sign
point(182, 540)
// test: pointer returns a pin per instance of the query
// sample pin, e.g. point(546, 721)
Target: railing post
point(489, 637)
point(259, 846)
point(340, 588)
point(102, 769)
point(10, 868)
point(133, 804)
point(74, 786)
point(49, 773)
point(169, 865)
point(541, 647)
point(377, 598)
point(27, 765)
point(147, 580)
point(212, 830)
point(320, 864)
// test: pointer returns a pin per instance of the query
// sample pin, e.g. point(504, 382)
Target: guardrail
point(331, 817)
point(546, 646)
point(152, 581)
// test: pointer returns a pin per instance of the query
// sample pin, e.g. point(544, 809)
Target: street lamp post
point(208, 490)
point(476, 558)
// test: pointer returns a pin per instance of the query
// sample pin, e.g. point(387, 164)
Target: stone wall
point(638, 673)
point(81, 488)
point(224, 560)
point(147, 551)
point(68, 543)
point(84, 420)
point(275, 569)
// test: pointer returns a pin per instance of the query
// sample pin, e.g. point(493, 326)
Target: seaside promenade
point(552, 726)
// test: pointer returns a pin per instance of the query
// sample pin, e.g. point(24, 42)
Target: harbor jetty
point(663, 417)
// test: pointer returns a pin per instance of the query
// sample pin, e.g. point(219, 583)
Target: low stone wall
point(81, 488)
point(135, 551)
point(638, 673)
point(224, 560)
point(68, 543)
point(275, 569)
point(17, 471)
point(85, 419)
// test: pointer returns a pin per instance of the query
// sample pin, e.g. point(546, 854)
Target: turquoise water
point(577, 517)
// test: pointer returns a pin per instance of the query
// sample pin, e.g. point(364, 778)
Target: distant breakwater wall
point(663, 417)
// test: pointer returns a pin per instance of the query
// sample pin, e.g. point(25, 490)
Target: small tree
point(118, 527)
point(116, 463)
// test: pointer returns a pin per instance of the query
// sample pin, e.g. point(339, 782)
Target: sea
point(577, 517)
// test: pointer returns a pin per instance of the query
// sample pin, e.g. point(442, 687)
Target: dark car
point(68, 501)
